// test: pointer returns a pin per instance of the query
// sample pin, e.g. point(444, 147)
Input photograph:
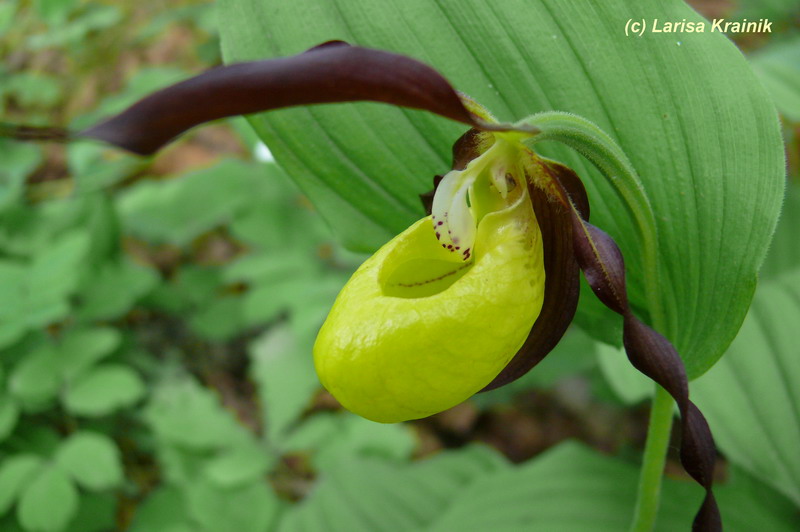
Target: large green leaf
point(572, 488)
point(375, 495)
point(752, 398)
point(569, 488)
point(686, 108)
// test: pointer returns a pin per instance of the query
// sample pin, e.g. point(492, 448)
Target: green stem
point(655, 456)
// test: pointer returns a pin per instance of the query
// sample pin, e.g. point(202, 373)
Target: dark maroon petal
point(602, 264)
point(653, 355)
point(331, 72)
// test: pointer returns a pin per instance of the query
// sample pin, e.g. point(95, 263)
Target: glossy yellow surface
point(416, 330)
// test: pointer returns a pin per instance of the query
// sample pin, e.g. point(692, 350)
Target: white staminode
point(453, 210)
point(453, 220)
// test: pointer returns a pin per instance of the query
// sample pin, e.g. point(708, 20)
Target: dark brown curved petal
point(652, 354)
point(606, 273)
point(331, 72)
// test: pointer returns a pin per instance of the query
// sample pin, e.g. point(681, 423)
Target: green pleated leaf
point(566, 489)
point(570, 488)
point(751, 397)
point(687, 110)
point(747, 504)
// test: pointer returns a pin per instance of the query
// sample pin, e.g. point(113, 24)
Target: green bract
point(421, 326)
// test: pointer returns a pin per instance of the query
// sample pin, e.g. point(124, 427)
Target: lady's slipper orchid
point(469, 298)
point(438, 312)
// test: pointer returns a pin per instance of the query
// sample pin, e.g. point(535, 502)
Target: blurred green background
point(157, 317)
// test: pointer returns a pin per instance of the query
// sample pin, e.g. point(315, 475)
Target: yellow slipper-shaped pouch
point(417, 329)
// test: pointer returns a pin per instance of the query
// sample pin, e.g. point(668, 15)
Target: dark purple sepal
point(652, 354)
point(328, 73)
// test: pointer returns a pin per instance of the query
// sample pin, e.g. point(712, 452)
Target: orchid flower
point(438, 312)
point(468, 298)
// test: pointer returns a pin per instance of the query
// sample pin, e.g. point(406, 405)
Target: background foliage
point(156, 319)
